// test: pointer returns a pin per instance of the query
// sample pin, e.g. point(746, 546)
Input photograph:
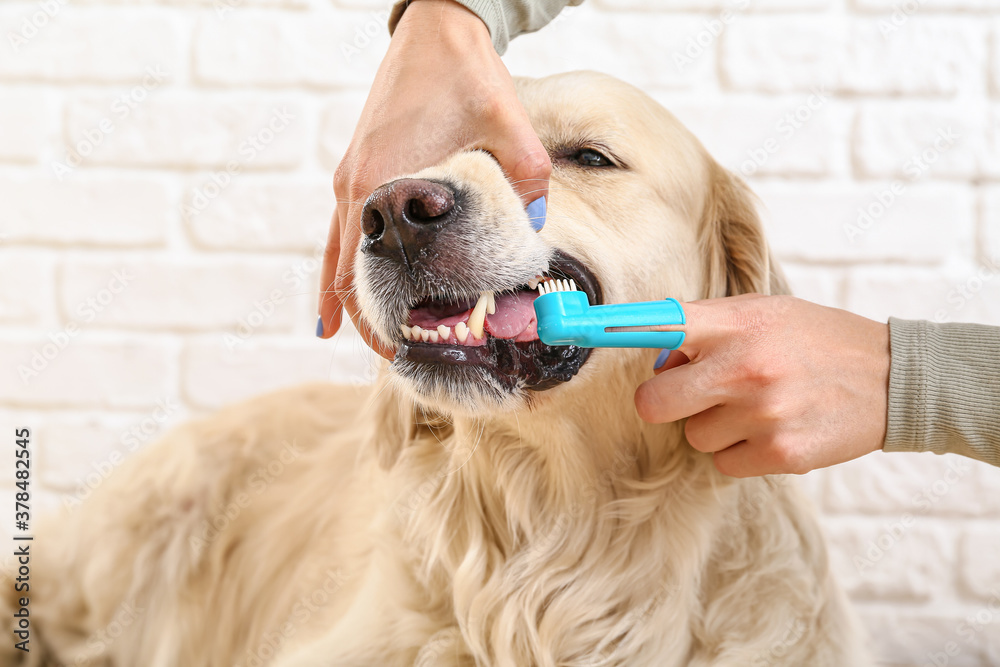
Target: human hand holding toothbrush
point(774, 384)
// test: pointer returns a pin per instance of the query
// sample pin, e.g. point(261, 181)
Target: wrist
point(445, 22)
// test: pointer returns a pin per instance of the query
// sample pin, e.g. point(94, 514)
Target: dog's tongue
point(514, 317)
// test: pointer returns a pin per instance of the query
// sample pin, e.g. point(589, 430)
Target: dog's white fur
point(440, 525)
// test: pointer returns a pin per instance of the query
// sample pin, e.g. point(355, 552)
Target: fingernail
point(536, 213)
point(662, 359)
point(319, 327)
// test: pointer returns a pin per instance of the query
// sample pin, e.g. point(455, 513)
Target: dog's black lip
point(537, 365)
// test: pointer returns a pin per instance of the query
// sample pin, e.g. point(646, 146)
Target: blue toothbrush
point(565, 317)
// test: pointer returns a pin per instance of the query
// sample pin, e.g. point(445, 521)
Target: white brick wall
point(189, 146)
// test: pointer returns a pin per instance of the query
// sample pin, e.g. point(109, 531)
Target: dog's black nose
point(402, 218)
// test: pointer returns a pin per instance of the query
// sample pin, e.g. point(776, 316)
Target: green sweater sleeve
point(944, 389)
point(506, 19)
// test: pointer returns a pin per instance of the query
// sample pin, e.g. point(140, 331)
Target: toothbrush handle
point(641, 314)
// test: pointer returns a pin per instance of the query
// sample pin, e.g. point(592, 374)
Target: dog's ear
point(732, 239)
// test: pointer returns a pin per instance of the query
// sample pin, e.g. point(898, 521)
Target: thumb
point(525, 161)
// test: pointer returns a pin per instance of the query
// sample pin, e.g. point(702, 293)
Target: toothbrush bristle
point(557, 285)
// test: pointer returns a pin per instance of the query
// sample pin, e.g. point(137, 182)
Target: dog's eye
point(588, 157)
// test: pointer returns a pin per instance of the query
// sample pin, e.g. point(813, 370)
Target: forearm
point(506, 19)
point(944, 389)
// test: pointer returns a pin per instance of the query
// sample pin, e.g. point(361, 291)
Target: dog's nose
point(402, 217)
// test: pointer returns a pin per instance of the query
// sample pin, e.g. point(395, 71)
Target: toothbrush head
point(565, 317)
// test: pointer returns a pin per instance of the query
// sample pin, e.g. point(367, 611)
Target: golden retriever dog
point(493, 501)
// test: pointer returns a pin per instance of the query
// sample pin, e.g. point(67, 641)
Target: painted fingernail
point(319, 327)
point(662, 359)
point(536, 213)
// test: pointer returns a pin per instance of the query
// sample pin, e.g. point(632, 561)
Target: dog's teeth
point(533, 283)
point(491, 304)
point(433, 335)
point(461, 332)
point(425, 335)
point(406, 331)
point(478, 317)
point(444, 332)
point(415, 332)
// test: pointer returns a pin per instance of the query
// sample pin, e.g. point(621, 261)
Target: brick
point(340, 117)
point(922, 141)
point(88, 44)
point(929, 56)
point(85, 210)
point(894, 558)
point(69, 448)
point(260, 214)
point(819, 285)
point(159, 293)
point(66, 367)
point(32, 113)
point(645, 52)
point(922, 485)
point(979, 566)
point(907, 638)
point(995, 58)
point(797, 135)
point(900, 11)
point(809, 222)
point(989, 224)
point(370, 5)
point(234, 132)
point(26, 288)
point(714, 6)
point(294, 50)
point(959, 292)
point(215, 373)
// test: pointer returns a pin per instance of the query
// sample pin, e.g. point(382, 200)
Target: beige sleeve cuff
point(944, 389)
point(506, 19)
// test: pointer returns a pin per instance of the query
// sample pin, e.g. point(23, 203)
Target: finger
point(367, 333)
point(715, 429)
point(523, 157)
point(330, 306)
point(343, 285)
point(709, 322)
point(679, 393)
point(674, 359)
point(746, 459)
